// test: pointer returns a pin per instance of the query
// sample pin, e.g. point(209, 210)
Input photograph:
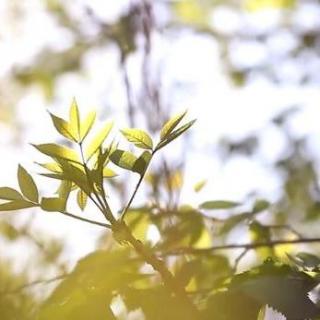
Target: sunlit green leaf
point(218, 204)
point(199, 185)
point(98, 140)
point(7, 193)
point(171, 124)
point(123, 159)
point(16, 205)
point(52, 204)
point(62, 127)
point(175, 134)
point(87, 291)
point(82, 199)
point(53, 167)
point(74, 120)
point(138, 137)
point(27, 185)
point(57, 151)
point(64, 191)
point(108, 173)
point(87, 124)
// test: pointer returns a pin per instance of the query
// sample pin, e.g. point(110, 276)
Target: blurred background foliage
point(273, 42)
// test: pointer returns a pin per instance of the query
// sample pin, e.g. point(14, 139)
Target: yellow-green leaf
point(62, 127)
point(138, 137)
point(108, 173)
point(199, 185)
point(123, 159)
point(27, 185)
point(52, 166)
point(74, 120)
point(7, 193)
point(141, 164)
point(171, 124)
point(219, 204)
point(52, 204)
point(82, 199)
point(175, 134)
point(16, 205)
point(57, 151)
point(98, 140)
point(87, 124)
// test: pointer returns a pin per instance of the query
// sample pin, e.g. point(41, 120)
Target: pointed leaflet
point(7, 193)
point(123, 159)
point(87, 124)
point(52, 166)
point(170, 125)
point(16, 205)
point(175, 134)
point(57, 151)
point(82, 199)
point(74, 120)
point(218, 204)
point(108, 173)
point(27, 185)
point(98, 140)
point(138, 137)
point(62, 127)
point(64, 192)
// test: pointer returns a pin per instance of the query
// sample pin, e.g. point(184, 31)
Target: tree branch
point(34, 283)
point(108, 226)
point(247, 246)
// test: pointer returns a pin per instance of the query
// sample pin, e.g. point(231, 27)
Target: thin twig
point(247, 246)
point(238, 259)
point(125, 210)
point(105, 225)
point(34, 283)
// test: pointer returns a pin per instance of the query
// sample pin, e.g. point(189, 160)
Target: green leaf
point(62, 127)
point(175, 134)
point(123, 159)
point(57, 151)
point(260, 205)
point(16, 205)
point(87, 291)
point(98, 140)
point(171, 124)
point(7, 193)
point(64, 191)
point(108, 173)
point(219, 204)
point(53, 166)
point(199, 185)
point(87, 124)
point(52, 204)
point(138, 137)
point(27, 185)
point(74, 120)
point(82, 199)
point(141, 164)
